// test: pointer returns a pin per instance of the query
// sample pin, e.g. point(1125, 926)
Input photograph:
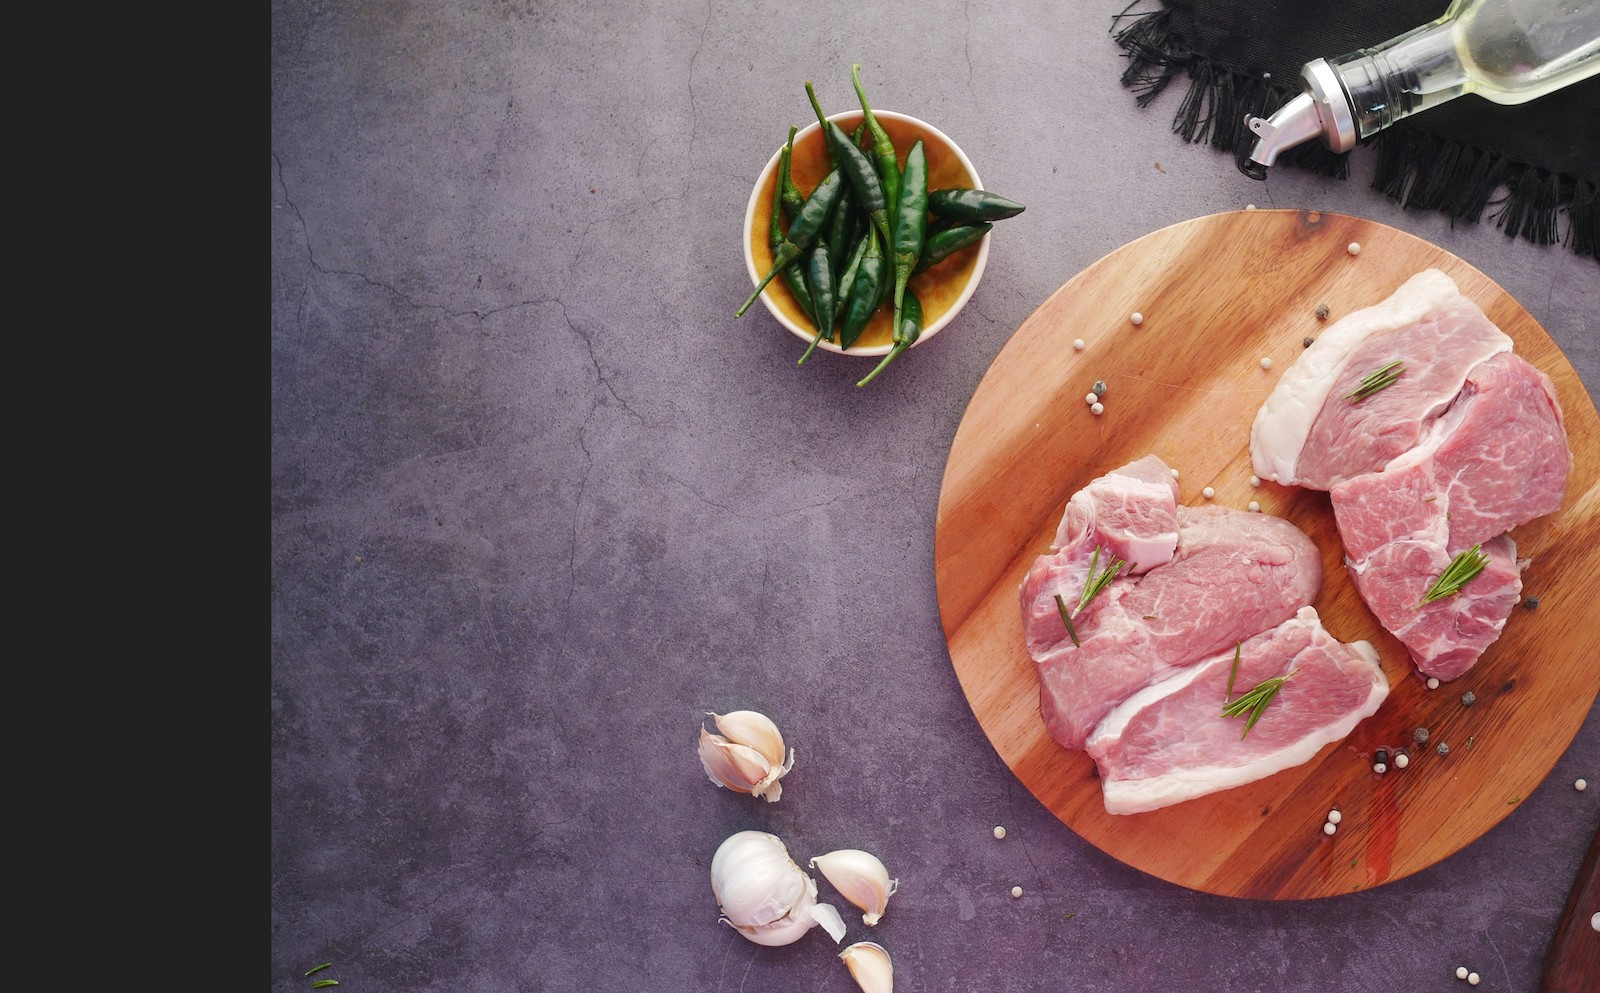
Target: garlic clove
point(750, 758)
point(751, 765)
point(869, 965)
point(861, 878)
point(719, 763)
point(756, 730)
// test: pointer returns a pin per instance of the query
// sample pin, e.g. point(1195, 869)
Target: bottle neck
point(1405, 75)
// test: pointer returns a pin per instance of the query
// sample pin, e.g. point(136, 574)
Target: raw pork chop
point(1169, 742)
point(1233, 574)
point(1445, 637)
point(1131, 512)
point(1309, 434)
point(1496, 459)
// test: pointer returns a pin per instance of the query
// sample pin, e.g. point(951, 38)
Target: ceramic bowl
point(943, 289)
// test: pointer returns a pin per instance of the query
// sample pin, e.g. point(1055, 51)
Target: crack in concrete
point(966, 41)
point(320, 269)
point(694, 107)
point(705, 499)
point(577, 522)
point(594, 360)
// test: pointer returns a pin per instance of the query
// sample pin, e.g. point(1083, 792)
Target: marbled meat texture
point(1445, 638)
point(1465, 445)
point(1130, 512)
point(1309, 434)
point(1497, 459)
point(1232, 574)
point(1169, 742)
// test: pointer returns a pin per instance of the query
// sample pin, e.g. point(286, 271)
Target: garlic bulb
point(747, 756)
point(764, 895)
point(860, 878)
point(869, 964)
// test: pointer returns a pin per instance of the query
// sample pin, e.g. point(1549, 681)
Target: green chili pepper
point(791, 274)
point(841, 294)
point(841, 229)
point(882, 146)
point(906, 331)
point(910, 222)
point(943, 244)
point(847, 278)
point(793, 199)
point(807, 225)
point(866, 291)
point(861, 222)
point(819, 277)
point(966, 204)
point(863, 178)
point(822, 122)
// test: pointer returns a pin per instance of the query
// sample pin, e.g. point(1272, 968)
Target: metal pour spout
point(1322, 110)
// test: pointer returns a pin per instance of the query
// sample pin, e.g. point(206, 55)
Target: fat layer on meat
point(1497, 459)
point(1169, 742)
point(1130, 512)
point(1233, 574)
point(1308, 433)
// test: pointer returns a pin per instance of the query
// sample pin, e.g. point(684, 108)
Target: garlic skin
point(764, 895)
point(748, 756)
point(869, 965)
point(861, 878)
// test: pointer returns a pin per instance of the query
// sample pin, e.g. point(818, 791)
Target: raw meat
point(1446, 637)
point(1308, 433)
point(1169, 742)
point(1131, 512)
point(1465, 445)
point(1497, 459)
point(1233, 574)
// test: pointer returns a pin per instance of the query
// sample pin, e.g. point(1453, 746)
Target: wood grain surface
point(1573, 963)
point(1218, 294)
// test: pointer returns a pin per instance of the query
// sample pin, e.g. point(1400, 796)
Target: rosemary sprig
point(1255, 701)
point(1378, 379)
point(1232, 673)
point(1461, 571)
point(1097, 581)
point(317, 969)
point(1066, 618)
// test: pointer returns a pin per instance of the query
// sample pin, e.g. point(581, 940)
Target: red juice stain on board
point(1383, 830)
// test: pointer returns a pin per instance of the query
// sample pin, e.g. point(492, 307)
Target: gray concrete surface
point(539, 503)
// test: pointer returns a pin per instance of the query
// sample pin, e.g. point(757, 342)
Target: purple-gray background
point(539, 503)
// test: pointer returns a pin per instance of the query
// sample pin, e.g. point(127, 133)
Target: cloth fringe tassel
point(1415, 169)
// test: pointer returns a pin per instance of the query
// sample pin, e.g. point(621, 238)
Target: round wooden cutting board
point(1218, 295)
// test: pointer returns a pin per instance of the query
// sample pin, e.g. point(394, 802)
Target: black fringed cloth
point(1244, 57)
